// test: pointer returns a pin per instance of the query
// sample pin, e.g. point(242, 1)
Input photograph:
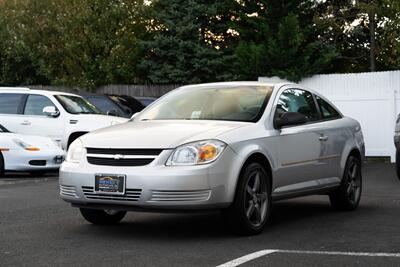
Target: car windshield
point(230, 103)
point(77, 105)
point(3, 129)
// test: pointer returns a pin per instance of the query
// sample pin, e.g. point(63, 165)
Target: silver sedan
point(235, 147)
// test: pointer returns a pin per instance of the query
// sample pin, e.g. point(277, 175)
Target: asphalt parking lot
point(38, 229)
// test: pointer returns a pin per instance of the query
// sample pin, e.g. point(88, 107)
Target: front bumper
point(154, 186)
point(21, 160)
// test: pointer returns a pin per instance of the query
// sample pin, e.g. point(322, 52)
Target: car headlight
point(196, 153)
point(26, 146)
point(75, 151)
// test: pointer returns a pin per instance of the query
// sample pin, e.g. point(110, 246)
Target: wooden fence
point(130, 89)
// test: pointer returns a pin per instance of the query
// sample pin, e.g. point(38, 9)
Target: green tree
point(282, 41)
point(78, 43)
point(187, 44)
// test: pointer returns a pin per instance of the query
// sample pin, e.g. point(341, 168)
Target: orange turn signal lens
point(4, 149)
point(207, 152)
point(32, 148)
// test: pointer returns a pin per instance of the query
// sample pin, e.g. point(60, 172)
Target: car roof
point(32, 91)
point(239, 83)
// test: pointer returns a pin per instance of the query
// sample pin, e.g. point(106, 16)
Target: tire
point(251, 208)
point(1, 165)
point(37, 173)
point(347, 196)
point(102, 217)
point(398, 163)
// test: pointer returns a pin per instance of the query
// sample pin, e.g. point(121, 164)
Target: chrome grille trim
point(130, 194)
point(68, 191)
point(186, 195)
point(125, 151)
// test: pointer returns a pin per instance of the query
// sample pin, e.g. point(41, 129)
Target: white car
point(28, 153)
point(61, 116)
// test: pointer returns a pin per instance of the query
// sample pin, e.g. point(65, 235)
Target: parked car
point(28, 153)
point(107, 105)
point(146, 100)
point(234, 146)
point(397, 145)
point(61, 116)
point(131, 102)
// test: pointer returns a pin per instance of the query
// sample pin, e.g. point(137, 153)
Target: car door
point(299, 147)
point(334, 135)
point(35, 122)
point(11, 108)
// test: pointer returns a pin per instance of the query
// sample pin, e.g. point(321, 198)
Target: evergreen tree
point(283, 40)
point(187, 44)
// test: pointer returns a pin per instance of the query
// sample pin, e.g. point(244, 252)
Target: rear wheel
point(398, 163)
point(1, 165)
point(102, 217)
point(348, 195)
point(252, 205)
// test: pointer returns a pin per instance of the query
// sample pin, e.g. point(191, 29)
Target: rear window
point(11, 103)
point(327, 111)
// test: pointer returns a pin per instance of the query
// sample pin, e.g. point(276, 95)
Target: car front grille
point(130, 194)
point(121, 156)
point(68, 191)
point(186, 195)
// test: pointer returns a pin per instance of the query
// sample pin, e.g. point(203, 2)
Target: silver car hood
point(157, 134)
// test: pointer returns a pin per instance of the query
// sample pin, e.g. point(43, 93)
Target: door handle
point(323, 138)
point(26, 123)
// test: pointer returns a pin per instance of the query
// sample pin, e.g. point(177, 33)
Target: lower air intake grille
point(68, 191)
point(130, 194)
point(187, 195)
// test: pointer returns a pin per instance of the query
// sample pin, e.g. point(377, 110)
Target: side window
point(327, 111)
point(104, 104)
point(35, 104)
point(296, 100)
point(11, 103)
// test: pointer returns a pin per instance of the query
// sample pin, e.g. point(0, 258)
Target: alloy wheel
point(353, 186)
point(256, 200)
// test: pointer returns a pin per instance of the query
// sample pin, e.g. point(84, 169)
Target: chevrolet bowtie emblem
point(118, 156)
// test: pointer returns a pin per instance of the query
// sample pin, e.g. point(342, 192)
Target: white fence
point(371, 98)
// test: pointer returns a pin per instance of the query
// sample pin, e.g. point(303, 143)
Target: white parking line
point(247, 258)
point(258, 254)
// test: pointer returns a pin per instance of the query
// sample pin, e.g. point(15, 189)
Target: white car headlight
point(196, 153)
point(75, 151)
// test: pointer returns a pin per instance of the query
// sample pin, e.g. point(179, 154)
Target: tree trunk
point(372, 41)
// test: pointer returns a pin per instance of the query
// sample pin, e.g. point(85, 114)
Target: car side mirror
point(289, 118)
point(51, 111)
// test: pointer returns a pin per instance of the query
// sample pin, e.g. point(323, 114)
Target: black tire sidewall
point(2, 164)
point(100, 217)
point(339, 198)
point(398, 163)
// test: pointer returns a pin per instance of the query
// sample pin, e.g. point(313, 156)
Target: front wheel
point(102, 217)
point(252, 205)
point(348, 195)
